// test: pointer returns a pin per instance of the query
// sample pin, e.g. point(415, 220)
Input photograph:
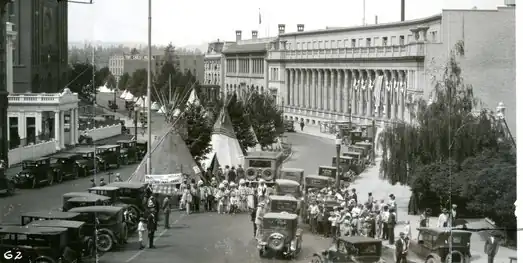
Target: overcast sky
point(185, 22)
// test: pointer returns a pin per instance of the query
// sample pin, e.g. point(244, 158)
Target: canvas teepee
point(225, 145)
point(257, 147)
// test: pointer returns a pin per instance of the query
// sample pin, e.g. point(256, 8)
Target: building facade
point(193, 63)
point(214, 69)
point(129, 63)
point(246, 65)
point(40, 56)
point(379, 71)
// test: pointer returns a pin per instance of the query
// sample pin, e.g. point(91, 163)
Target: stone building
point(214, 68)
point(129, 63)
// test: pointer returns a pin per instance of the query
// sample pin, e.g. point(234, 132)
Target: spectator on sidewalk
point(302, 124)
point(491, 247)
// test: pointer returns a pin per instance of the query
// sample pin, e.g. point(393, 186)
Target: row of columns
point(59, 130)
point(349, 91)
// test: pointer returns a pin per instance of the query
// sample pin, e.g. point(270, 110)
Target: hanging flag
point(259, 16)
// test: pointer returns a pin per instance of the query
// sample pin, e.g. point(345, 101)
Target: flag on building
point(259, 16)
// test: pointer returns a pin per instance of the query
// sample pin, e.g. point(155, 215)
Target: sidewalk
point(314, 130)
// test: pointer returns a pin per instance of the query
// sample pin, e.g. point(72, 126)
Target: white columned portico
point(72, 127)
point(62, 129)
point(57, 131)
point(38, 123)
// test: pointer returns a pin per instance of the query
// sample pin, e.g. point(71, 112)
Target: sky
point(194, 22)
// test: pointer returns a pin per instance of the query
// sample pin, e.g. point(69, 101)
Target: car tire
point(316, 259)
point(105, 242)
point(430, 260)
point(34, 183)
point(50, 178)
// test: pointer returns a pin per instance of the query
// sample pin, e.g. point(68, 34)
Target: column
point(307, 88)
point(353, 91)
point(22, 126)
point(321, 91)
point(302, 88)
point(361, 93)
point(326, 89)
point(368, 93)
point(340, 91)
point(62, 130)
point(346, 90)
point(71, 127)
point(386, 95)
point(76, 126)
point(332, 89)
point(394, 95)
point(296, 88)
point(402, 90)
point(57, 131)
point(38, 123)
point(314, 89)
point(291, 81)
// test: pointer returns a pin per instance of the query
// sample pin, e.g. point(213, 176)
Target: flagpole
point(149, 80)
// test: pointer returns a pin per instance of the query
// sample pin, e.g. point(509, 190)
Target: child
point(235, 200)
point(141, 232)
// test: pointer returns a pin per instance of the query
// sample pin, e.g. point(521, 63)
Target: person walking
point(491, 248)
point(302, 124)
point(151, 227)
point(253, 220)
point(260, 212)
point(401, 249)
point(166, 207)
point(141, 232)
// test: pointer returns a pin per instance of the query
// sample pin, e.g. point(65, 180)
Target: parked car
point(67, 165)
point(294, 174)
point(90, 164)
point(433, 245)
point(34, 173)
point(351, 249)
point(283, 203)
point(280, 235)
point(128, 151)
point(29, 217)
point(37, 244)
point(131, 194)
point(142, 149)
point(79, 199)
point(82, 244)
point(7, 185)
point(109, 155)
point(108, 221)
point(113, 193)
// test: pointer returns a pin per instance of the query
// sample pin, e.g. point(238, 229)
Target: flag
point(259, 16)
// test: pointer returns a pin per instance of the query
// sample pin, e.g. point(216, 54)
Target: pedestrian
point(260, 212)
point(253, 220)
point(385, 223)
point(226, 172)
point(401, 249)
point(232, 175)
point(187, 200)
point(408, 231)
point(443, 219)
point(314, 212)
point(392, 225)
point(220, 198)
point(491, 247)
point(240, 172)
point(151, 227)
point(118, 178)
point(202, 190)
point(166, 207)
point(424, 218)
point(453, 214)
point(93, 183)
point(141, 231)
point(102, 182)
point(370, 201)
point(302, 124)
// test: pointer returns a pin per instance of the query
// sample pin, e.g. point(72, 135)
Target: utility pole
point(4, 141)
point(149, 62)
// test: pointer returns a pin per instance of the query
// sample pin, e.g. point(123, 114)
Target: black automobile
point(34, 173)
point(132, 210)
point(88, 166)
point(29, 217)
point(109, 156)
point(67, 165)
point(79, 199)
point(128, 151)
point(82, 244)
point(107, 221)
point(142, 149)
point(36, 244)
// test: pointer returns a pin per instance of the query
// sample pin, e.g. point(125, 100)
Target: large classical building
point(40, 53)
point(378, 71)
point(214, 65)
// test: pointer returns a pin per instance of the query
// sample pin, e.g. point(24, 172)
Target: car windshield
point(275, 223)
point(367, 249)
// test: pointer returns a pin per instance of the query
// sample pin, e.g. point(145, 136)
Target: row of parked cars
point(99, 219)
point(78, 162)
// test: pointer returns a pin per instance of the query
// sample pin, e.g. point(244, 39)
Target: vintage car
point(66, 165)
point(82, 244)
point(264, 165)
point(280, 235)
point(111, 227)
point(432, 245)
point(128, 151)
point(283, 203)
point(368, 146)
point(7, 185)
point(88, 166)
point(142, 149)
point(132, 207)
point(357, 162)
point(36, 244)
point(328, 171)
point(131, 194)
point(34, 173)
point(360, 149)
point(288, 187)
point(72, 200)
point(317, 182)
point(29, 217)
point(289, 126)
point(109, 156)
point(294, 174)
point(351, 249)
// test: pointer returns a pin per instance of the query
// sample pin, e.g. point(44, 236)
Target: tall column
point(307, 88)
point(297, 86)
point(340, 96)
point(321, 91)
point(326, 89)
point(76, 126)
point(368, 92)
point(302, 88)
point(346, 90)
point(4, 140)
point(38, 123)
point(402, 91)
point(332, 89)
point(394, 95)
point(57, 131)
point(314, 93)
point(293, 92)
point(353, 91)
point(71, 127)
point(386, 95)
point(22, 126)
point(62, 130)
point(361, 93)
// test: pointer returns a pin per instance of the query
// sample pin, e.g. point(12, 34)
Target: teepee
point(124, 94)
point(225, 145)
point(257, 147)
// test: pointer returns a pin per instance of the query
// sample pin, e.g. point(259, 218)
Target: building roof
point(245, 48)
point(367, 27)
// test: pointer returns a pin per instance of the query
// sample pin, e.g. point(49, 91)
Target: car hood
point(365, 259)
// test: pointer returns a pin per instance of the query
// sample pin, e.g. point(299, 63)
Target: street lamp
point(338, 149)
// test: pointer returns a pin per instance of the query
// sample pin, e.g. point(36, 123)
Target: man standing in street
point(491, 248)
point(302, 124)
point(240, 172)
point(151, 227)
point(166, 207)
point(401, 249)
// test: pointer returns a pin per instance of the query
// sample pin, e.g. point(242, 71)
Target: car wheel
point(59, 177)
point(34, 183)
point(316, 259)
point(105, 242)
point(50, 178)
point(430, 260)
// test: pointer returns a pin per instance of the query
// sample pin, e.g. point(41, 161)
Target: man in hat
point(260, 212)
point(151, 227)
point(141, 232)
point(453, 214)
point(402, 247)
point(491, 247)
point(166, 207)
point(443, 219)
point(102, 182)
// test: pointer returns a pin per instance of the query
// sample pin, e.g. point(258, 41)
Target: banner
point(164, 178)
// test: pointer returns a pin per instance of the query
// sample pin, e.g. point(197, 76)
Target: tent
point(193, 98)
point(129, 97)
point(104, 89)
point(155, 106)
point(124, 93)
point(162, 110)
point(170, 155)
point(224, 143)
point(257, 147)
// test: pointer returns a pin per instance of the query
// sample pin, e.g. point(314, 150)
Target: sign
point(196, 169)
point(164, 178)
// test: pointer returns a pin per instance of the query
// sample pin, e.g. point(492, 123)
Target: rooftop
point(245, 48)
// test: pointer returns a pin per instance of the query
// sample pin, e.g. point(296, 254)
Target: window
point(402, 40)
point(369, 42)
point(434, 36)
point(353, 43)
point(409, 38)
point(384, 41)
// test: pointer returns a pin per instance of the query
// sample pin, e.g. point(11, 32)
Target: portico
point(39, 117)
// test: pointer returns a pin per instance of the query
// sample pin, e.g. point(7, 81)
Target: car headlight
point(293, 245)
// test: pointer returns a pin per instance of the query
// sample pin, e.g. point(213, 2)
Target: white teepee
point(224, 143)
point(129, 96)
point(257, 147)
point(155, 106)
point(122, 96)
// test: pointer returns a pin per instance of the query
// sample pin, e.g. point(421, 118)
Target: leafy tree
point(110, 82)
point(138, 83)
point(124, 80)
point(265, 116)
point(102, 75)
point(199, 129)
point(80, 80)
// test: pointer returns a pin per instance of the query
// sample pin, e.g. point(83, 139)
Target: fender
point(321, 257)
point(436, 257)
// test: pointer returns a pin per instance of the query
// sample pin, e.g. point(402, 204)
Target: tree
point(102, 76)
point(123, 82)
point(265, 116)
point(80, 80)
point(137, 84)
point(199, 130)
